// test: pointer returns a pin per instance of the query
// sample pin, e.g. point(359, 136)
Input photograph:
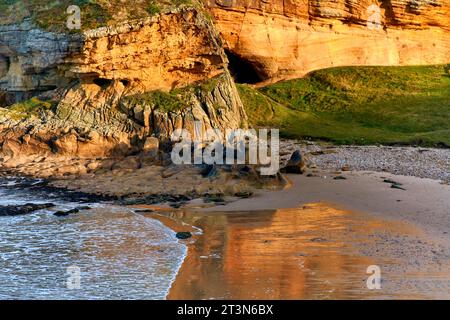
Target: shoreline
point(373, 223)
point(408, 238)
point(425, 202)
point(317, 251)
point(334, 174)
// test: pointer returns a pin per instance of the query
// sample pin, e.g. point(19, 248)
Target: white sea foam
point(121, 255)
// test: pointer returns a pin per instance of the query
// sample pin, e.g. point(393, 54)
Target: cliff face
point(28, 61)
point(286, 39)
point(89, 87)
point(163, 52)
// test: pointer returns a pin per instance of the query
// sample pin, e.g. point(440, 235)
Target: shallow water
point(315, 252)
point(121, 255)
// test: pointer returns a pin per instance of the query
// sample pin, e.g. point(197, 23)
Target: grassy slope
point(362, 105)
point(51, 15)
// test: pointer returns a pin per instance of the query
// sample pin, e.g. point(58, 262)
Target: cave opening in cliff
point(242, 70)
point(104, 83)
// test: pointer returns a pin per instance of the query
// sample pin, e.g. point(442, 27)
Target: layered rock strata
point(88, 113)
point(289, 38)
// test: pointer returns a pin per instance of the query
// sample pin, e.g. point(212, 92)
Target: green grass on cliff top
point(358, 105)
point(51, 15)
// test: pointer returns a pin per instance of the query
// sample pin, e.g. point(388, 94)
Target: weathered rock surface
point(17, 210)
point(289, 38)
point(92, 75)
point(28, 60)
point(160, 53)
point(296, 164)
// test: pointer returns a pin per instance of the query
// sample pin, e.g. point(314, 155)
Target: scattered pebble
point(431, 163)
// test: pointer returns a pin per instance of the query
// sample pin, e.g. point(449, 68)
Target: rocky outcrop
point(159, 53)
point(91, 87)
point(289, 38)
point(28, 61)
point(216, 105)
point(94, 74)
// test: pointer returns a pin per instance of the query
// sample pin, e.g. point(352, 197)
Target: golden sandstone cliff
point(289, 38)
point(106, 93)
point(109, 91)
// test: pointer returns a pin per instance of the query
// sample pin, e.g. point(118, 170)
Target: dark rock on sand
point(396, 186)
point(183, 235)
point(340, 178)
point(392, 182)
point(177, 205)
point(23, 209)
point(216, 198)
point(296, 164)
point(243, 194)
point(144, 211)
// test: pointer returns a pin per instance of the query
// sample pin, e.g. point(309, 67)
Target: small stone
point(183, 235)
point(392, 182)
point(144, 211)
point(396, 186)
point(66, 213)
point(243, 194)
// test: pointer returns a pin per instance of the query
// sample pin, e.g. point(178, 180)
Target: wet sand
point(313, 252)
point(424, 202)
point(316, 239)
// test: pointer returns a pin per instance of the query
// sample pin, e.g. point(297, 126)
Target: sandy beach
point(424, 202)
point(316, 239)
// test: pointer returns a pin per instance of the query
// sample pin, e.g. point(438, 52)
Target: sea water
point(119, 254)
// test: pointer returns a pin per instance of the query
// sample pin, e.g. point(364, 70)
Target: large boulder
point(296, 164)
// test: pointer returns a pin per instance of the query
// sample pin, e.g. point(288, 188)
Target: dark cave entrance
point(242, 70)
point(104, 83)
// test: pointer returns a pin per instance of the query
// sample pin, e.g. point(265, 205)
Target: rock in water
point(183, 235)
point(296, 164)
point(23, 209)
point(66, 213)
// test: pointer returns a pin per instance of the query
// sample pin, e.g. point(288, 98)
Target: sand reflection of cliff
point(286, 254)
